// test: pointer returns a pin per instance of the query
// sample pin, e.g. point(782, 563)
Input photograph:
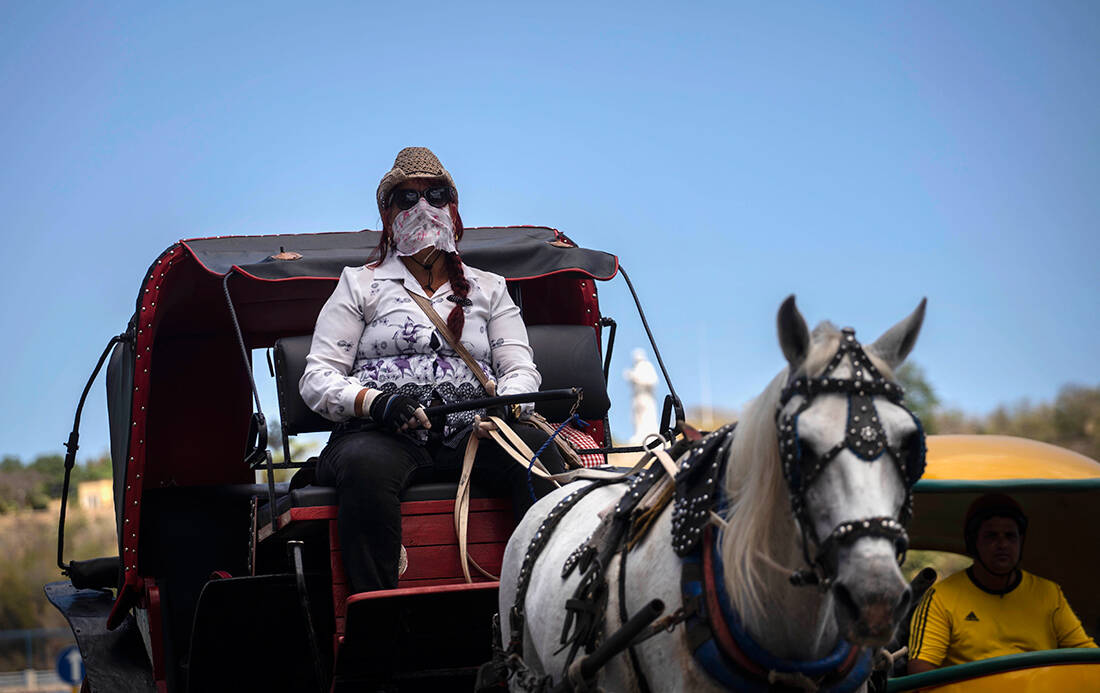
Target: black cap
point(987, 506)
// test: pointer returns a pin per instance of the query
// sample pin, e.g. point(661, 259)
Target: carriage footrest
point(413, 635)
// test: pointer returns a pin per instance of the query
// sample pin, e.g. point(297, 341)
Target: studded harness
point(865, 437)
point(718, 641)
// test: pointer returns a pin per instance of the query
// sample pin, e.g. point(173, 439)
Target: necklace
point(433, 258)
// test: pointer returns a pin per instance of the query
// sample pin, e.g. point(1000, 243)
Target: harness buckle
point(811, 578)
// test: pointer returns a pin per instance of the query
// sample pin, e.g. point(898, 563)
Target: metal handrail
point(676, 404)
point(73, 444)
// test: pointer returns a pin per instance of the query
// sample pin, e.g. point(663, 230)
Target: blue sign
point(70, 666)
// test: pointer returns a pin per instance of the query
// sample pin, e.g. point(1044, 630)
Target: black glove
point(392, 410)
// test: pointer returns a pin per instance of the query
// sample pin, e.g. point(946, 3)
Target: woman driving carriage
point(377, 358)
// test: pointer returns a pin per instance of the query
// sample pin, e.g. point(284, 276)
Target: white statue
point(643, 379)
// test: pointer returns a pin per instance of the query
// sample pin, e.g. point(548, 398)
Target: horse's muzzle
point(869, 617)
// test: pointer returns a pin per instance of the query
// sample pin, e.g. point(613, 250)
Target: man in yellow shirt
point(993, 607)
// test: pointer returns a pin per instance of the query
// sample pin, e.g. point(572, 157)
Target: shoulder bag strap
point(462, 499)
point(429, 310)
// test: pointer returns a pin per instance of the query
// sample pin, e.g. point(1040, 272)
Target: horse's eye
point(912, 456)
point(911, 443)
point(811, 463)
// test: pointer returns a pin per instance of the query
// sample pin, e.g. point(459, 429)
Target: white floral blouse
point(371, 334)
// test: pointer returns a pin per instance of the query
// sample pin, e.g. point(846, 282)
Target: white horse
point(861, 594)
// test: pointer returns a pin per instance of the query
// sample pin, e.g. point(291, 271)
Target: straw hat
point(413, 162)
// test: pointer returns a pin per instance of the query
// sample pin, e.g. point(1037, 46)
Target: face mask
point(423, 226)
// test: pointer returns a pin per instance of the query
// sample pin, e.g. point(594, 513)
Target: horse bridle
point(865, 437)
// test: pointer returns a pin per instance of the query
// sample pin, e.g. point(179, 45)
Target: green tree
point(920, 396)
point(92, 470)
point(1077, 419)
point(21, 488)
point(52, 469)
point(33, 485)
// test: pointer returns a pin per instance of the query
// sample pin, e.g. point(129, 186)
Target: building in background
point(96, 496)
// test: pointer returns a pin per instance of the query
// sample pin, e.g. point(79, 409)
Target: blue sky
point(860, 155)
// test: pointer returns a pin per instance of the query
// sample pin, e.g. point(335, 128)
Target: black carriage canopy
point(278, 283)
point(179, 398)
point(516, 253)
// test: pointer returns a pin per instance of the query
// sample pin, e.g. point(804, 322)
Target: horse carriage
point(224, 582)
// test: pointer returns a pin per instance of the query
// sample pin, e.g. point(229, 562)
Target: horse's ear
point(794, 336)
point(896, 343)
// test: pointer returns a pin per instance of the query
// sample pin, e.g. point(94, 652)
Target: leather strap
point(510, 441)
point(462, 512)
point(666, 461)
point(441, 325)
point(519, 451)
point(589, 475)
point(462, 499)
point(537, 420)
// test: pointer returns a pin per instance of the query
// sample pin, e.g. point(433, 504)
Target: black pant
point(370, 469)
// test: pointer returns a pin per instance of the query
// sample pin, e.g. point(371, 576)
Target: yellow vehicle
point(1060, 492)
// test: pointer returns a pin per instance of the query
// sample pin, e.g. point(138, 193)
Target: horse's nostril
point(844, 598)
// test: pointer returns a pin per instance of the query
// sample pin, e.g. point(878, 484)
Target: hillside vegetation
point(32, 485)
point(1071, 421)
point(28, 544)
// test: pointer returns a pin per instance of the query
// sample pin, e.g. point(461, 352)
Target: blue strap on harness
point(709, 654)
point(574, 417)
point(711, 658)
point(766, 659)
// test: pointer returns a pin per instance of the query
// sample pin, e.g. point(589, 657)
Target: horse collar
point(729, 654)
point(699, 488)
point(864, 436)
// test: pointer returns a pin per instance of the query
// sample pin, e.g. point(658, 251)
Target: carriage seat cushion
point(566, 356)
point(569, 356)
point(290, 364)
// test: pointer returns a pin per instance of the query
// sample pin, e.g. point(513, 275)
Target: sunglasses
point(406, 198)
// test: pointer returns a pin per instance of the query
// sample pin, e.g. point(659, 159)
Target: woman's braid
point(460, 286)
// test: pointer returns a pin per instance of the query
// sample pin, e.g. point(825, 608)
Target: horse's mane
point(757, 501)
